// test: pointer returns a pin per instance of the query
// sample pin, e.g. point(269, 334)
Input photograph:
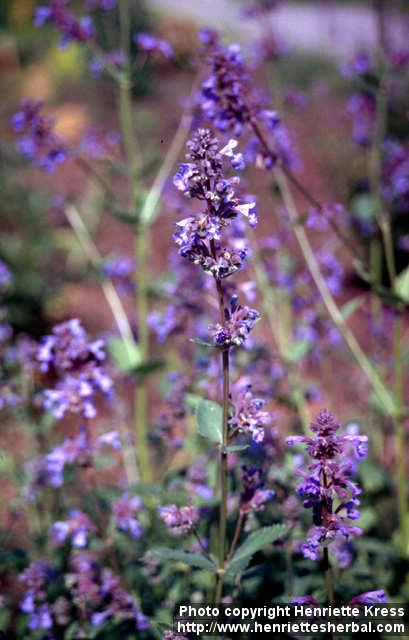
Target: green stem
point(400, 435)
point(141, 239)
point(365, 364)
point(223, 459)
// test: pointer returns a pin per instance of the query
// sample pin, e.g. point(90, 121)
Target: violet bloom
point(227, 99)
point(71, 29)
point(327, 487)
point(76, 529)
point(248, 414)
point(124, 510)
point(149, 43)
point(202, 177)
point(5, 276)
point(239, 321)
point(121, 269)
point(254, 496)
point(38, 141)
point(179, 520)
point(370, 597)
point(34, 602)
point(76, 363)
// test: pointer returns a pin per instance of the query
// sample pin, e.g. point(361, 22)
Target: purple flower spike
point(179, 520)
point(329, 480)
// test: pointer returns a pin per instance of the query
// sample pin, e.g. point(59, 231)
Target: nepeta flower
point(227, 100)
point(34, 602)
point(370, 597)
point(201, 237)
point(49, 470)
point(5, 276)
point(179, 520)
point(327, 488)
point(38, 141)
point(248, 414)
point(239, 321)
point(71, 28)
point(76, 528)
point(149, 43)
point(75, 362)
point(121, 269)
point(253, 496)
point(124, 510)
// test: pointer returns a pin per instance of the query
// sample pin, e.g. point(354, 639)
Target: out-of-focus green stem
point(384, 221)
point(365, 364)
point(141, 239)
point(272, 310)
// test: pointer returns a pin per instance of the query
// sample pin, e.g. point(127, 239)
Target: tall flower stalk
point(203, 239)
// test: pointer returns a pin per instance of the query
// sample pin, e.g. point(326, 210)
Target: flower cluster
point(253, 496)
point(227, 100)
point(75, 529)
point(202, 177)
point(75, 363)
point(38, 141)
point(327, 488)
point(149, 43)
point(71, 28)
point(249, 415)
point(34, 601)
point(98, 593)
point(124, 511)
point(49, 470)
point(179, 520)
point(239, 321)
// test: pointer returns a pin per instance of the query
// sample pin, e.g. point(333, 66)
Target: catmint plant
point(327, 488)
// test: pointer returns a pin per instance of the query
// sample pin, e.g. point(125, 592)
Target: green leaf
point(364, 207)
point(255, 542)
point(192, 559)
point(209, 417)
point(351, 306)
point(149, 366)
point(297, 351)
point(236, 447)
point(125, 353)
point(402, 284)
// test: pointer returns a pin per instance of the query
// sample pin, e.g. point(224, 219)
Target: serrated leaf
point(192, 559)
point(209, 417)
point(351, 306)
point(297, 351)
point(255, 542)
point(125, 353)
point(402, 284)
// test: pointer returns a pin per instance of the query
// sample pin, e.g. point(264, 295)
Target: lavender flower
point(202, 178)
point(254, 496)
point(124, 510)
point(5, 276)
point(149, 43)
point(75, 362)
point(179, 520)
point(57, 14)
point(38, 142)
point(327, 488)
point(227, 100)
point(239, 321)
point(248, 414)
point(34, 602)
point(76, 528)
